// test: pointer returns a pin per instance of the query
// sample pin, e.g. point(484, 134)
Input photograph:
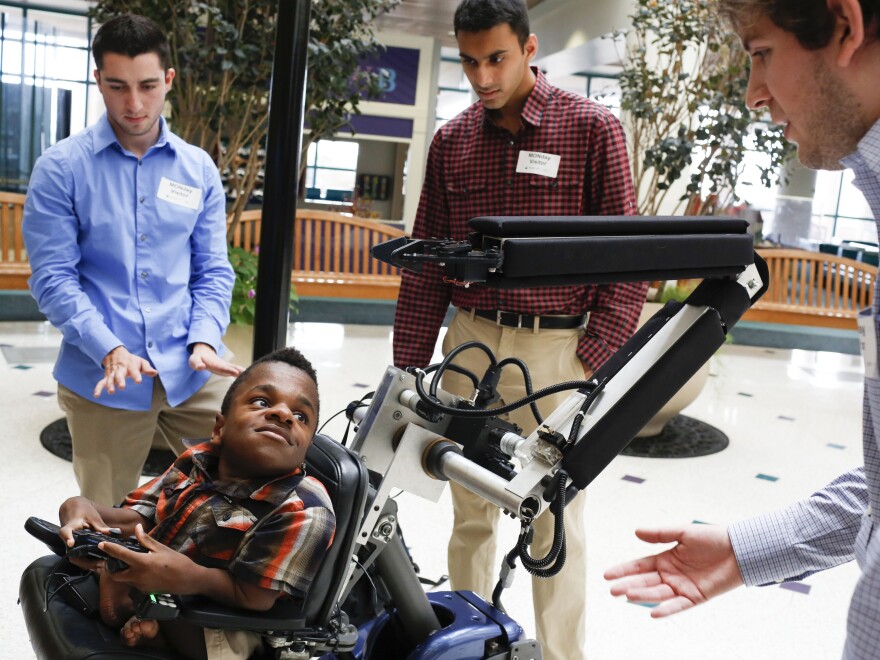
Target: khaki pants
point(558, 601)
point(231, 644)
point(110, 445)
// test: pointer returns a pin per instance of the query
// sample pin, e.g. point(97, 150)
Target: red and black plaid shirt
point(214, 522)
point(471, 172)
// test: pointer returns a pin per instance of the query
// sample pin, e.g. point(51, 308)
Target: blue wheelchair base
point(472, 629)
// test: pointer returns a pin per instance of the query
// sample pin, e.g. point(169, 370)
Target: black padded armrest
point(605, 225)
point(283, 615)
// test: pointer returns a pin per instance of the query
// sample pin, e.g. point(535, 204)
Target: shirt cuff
point(763, 550)
point(99, 341)
point(204, 332)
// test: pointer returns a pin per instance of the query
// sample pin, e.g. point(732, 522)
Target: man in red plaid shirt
point(526, 148)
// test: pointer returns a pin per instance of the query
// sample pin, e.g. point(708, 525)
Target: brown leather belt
point(515, 320)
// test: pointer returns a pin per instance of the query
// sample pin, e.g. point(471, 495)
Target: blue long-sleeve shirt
point(129, 252)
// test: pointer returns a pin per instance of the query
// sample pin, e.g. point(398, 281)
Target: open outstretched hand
point(204, 358)
point(700, 566)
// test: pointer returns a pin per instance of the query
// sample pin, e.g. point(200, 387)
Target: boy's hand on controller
point(161, 570)
point(79, 513)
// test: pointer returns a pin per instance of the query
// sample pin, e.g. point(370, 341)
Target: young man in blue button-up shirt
point(125, 228)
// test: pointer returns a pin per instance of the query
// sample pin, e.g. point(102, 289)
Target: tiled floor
point(792, 417)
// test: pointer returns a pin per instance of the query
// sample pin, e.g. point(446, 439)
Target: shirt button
point(149, 344)
point(143, 274)
point(168, 491)
point(227, 516)
point(141, 200)
point(508, 182)
point(869, 511)
point(511, 143)
point(148, 310)
point(143, 237)
point(140, 163)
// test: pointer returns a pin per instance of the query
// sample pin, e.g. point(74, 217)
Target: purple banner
point(387, 126)
point(398, 69)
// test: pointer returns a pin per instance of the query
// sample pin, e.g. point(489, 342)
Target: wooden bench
point(14, 267)
point(331, 255)
point(812, 288)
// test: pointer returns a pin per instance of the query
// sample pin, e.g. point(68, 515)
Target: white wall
point(566, 24)
point(422, 114)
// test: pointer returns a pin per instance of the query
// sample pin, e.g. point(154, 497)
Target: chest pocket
point(220, 537)
point(174, 219)
point(561, 195)
point(471, 199)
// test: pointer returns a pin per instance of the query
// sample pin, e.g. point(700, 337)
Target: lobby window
point(840, 211)
point(331, 171)
point(44, 74)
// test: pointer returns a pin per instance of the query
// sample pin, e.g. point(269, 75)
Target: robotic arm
point(416, 437)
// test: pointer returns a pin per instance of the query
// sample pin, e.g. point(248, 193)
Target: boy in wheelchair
point(234, 518)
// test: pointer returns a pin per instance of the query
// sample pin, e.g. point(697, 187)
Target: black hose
point(454, 352)
point(436, 404)
point(553, 562)
point(527, 378)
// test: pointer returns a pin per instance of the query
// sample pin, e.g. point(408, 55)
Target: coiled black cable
point(553, 562)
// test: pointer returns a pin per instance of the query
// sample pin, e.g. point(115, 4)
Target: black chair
point(317, 625)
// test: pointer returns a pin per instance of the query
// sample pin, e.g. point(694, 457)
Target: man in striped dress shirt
point(815, 67)
point(525, 148)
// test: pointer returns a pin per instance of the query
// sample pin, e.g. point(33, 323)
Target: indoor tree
point(683, 87)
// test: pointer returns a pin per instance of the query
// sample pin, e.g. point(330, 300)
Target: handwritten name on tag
point(179, 193)
point(534, 162)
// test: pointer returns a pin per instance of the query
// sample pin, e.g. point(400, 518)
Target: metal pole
point(413, 607)
point(284, 140)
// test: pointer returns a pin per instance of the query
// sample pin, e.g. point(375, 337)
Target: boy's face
point(134, 90)
point(805, 91)
point(269, 425)
point(496, 66)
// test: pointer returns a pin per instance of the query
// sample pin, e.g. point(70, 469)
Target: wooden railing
point(332, 259)
point(14, 267)
point(331, 254)
point(812, 288)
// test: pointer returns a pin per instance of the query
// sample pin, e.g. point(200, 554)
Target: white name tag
point(868, 340)
point(534, 162)
point(179, 193)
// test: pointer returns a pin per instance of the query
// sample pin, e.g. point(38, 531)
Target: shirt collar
point(867, 153)
point(206, 459)
point(536, 103)
point(533, 111)
point(105, 136)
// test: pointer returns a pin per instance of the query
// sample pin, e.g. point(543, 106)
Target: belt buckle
point(499, 319)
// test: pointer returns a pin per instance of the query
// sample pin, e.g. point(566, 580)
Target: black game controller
point(85, 544)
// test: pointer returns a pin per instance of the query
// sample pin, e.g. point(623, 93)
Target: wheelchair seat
point(317, 625)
